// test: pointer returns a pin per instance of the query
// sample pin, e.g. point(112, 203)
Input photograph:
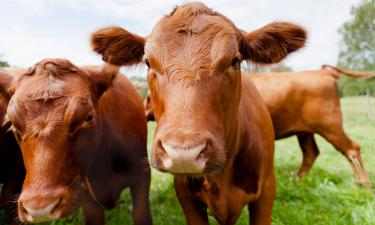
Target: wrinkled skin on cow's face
point(53, 112)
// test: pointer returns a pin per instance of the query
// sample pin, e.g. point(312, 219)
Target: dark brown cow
point(213, 131)
point(82, 133)
point(304, 103)
point(308, 102)
point(12, 171)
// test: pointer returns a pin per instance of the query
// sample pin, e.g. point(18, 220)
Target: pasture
point(326, 196)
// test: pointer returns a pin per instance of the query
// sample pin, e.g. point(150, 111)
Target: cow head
point(53, 109)
point(194, 55)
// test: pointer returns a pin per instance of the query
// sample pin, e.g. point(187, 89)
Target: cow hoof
point(365, 184)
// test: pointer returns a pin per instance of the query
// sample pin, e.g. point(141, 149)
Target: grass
point(327, 196)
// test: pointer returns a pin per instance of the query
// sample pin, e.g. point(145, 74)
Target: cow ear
point(102, 78)
point(5, 84)
point(272, 43)
point(118, 46)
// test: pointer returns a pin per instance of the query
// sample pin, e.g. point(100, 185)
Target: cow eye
point(147, 63)
point(235, 61)
point(89, 118)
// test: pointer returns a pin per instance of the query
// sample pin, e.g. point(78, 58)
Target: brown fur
point(109, 48)
point(198, 95)
point(6, 78)
point(311, 99)
point(277, 40)
point(12, 171)
point(308, 103)
point(78, 143)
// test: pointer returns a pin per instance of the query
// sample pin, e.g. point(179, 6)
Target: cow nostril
point(160, 146)
point(57, 205)
point(202, 154)
point(24, 209)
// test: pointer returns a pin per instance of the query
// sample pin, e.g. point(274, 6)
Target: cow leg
point(93, 211)
point(195, 211)
point(141, 204)
point(310, 152)
point(351, 150)
point(260, 211)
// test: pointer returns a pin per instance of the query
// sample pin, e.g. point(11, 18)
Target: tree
point(357, 50)
point(3, 63)
point(140, 84)
point(253, 68)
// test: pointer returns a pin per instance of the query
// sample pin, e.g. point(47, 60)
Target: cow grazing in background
point(12, 171)
point(82, 134)
point(304, 103)
point(213, 132)
point(307, 103)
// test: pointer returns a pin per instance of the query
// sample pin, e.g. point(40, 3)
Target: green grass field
point(327, 196)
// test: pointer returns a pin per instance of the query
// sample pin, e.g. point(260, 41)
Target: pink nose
point(184, 158)
point(41, 213)
point(36, 208)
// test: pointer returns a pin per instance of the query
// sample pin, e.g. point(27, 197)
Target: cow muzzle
point(43, 206)
point(179, 159)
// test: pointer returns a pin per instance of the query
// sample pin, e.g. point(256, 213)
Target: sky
point(35, 29)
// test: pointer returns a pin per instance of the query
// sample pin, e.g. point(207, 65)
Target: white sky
point(35, 29)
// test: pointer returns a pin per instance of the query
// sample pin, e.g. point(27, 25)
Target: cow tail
point(337, 72)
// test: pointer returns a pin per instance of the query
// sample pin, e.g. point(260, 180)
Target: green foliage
point(253, 68)
point(138, 78)
point(281, 68)
point(141, 85)
point(352, 87)
point(3, 63)
point(358, 48)
point(327, 196)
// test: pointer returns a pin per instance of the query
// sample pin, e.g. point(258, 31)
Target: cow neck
point(218, 190)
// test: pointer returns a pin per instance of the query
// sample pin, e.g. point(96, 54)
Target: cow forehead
point(55, 106)
point(193, 45)
point(49, 88)
point(202, 28)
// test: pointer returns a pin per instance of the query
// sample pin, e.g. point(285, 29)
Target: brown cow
point(304, 103)
point(82, 133)
point(308, 102)
point(12, 171)
point(213, 131)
